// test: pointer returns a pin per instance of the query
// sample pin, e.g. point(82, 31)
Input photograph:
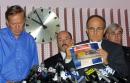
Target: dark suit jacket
point(127, 58)
point(52, 62)
point(115, 56)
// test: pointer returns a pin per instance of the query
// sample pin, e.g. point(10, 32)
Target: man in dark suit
point(64, 41)
point(111, 53)
point(114, 34)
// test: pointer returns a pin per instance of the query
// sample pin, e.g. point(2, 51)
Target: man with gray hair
point(114, 33)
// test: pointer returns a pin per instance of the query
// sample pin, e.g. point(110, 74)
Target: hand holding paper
point(104, 55)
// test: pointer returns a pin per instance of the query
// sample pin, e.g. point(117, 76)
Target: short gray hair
point(113, 27)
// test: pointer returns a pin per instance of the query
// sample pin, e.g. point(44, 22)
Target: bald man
point(111, 53)
point(64, 41)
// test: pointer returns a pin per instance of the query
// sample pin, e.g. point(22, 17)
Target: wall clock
point(42, 24)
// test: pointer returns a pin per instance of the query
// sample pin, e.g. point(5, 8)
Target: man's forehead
point(96, 27)
point(62, 34)
point(116, 30)
point(96, 21)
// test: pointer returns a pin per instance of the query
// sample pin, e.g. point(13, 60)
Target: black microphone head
point(33, 71)
point(59, 66)
point(72, 69)
point(32, 76)
point(91, 75)
point(35, 67)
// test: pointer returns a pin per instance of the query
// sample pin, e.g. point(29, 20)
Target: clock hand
point(40, 20)
point(36, 21)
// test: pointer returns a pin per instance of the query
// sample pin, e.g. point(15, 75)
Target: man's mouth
point(64, 45)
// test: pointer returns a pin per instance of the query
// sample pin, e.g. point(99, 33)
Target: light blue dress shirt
point(17, 56)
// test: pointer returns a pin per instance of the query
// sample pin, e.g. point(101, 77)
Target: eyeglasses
point(116, 34)
point(97, 29)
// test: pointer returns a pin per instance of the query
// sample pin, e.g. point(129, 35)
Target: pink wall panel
point(74, 19)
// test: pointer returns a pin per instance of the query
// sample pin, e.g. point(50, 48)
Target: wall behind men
point(73, 15)
point(70, 3)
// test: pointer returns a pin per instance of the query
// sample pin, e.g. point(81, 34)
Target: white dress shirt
point(63, 54)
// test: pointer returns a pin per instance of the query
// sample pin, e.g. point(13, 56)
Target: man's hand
point(68, 54)
point(104, 55)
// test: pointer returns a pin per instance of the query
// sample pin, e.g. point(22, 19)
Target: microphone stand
point(59, 67)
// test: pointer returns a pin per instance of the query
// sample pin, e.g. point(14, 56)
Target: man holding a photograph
point(111, 53)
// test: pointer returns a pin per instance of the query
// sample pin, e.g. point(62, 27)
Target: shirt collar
point(11, 34)
point(63, 54)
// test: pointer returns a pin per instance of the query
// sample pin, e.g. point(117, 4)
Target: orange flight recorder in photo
point(85, 55)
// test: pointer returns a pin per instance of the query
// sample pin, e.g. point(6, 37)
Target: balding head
point(95, 28)
point(64, 40)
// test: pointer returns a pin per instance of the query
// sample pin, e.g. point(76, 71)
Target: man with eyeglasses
point(111, 53)
point(114, 34)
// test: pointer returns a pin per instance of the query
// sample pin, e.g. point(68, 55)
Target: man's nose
point(64, 41)
point(17, 26)
point(117, 35)
point(95, 31)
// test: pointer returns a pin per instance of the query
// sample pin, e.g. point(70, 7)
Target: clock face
point(42, 24)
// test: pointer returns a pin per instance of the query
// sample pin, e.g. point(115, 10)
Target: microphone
point(32, 76)
point(109, 72)
point(120, 78)
point(62, 75)
point(91, 75)
point(50, 74)
point(94, 75)
point(59, 68)
point(74, 75)
point(102, 76)
point(113, 75)
point(42, 72)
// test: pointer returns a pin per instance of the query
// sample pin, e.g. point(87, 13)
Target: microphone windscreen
point(91, 74)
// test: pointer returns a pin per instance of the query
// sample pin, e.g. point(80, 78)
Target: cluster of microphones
point(40, 74)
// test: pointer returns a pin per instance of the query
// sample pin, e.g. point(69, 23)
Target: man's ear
point(106, 36)
point(72, 42)
point(105, 31)
point(86, 30)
